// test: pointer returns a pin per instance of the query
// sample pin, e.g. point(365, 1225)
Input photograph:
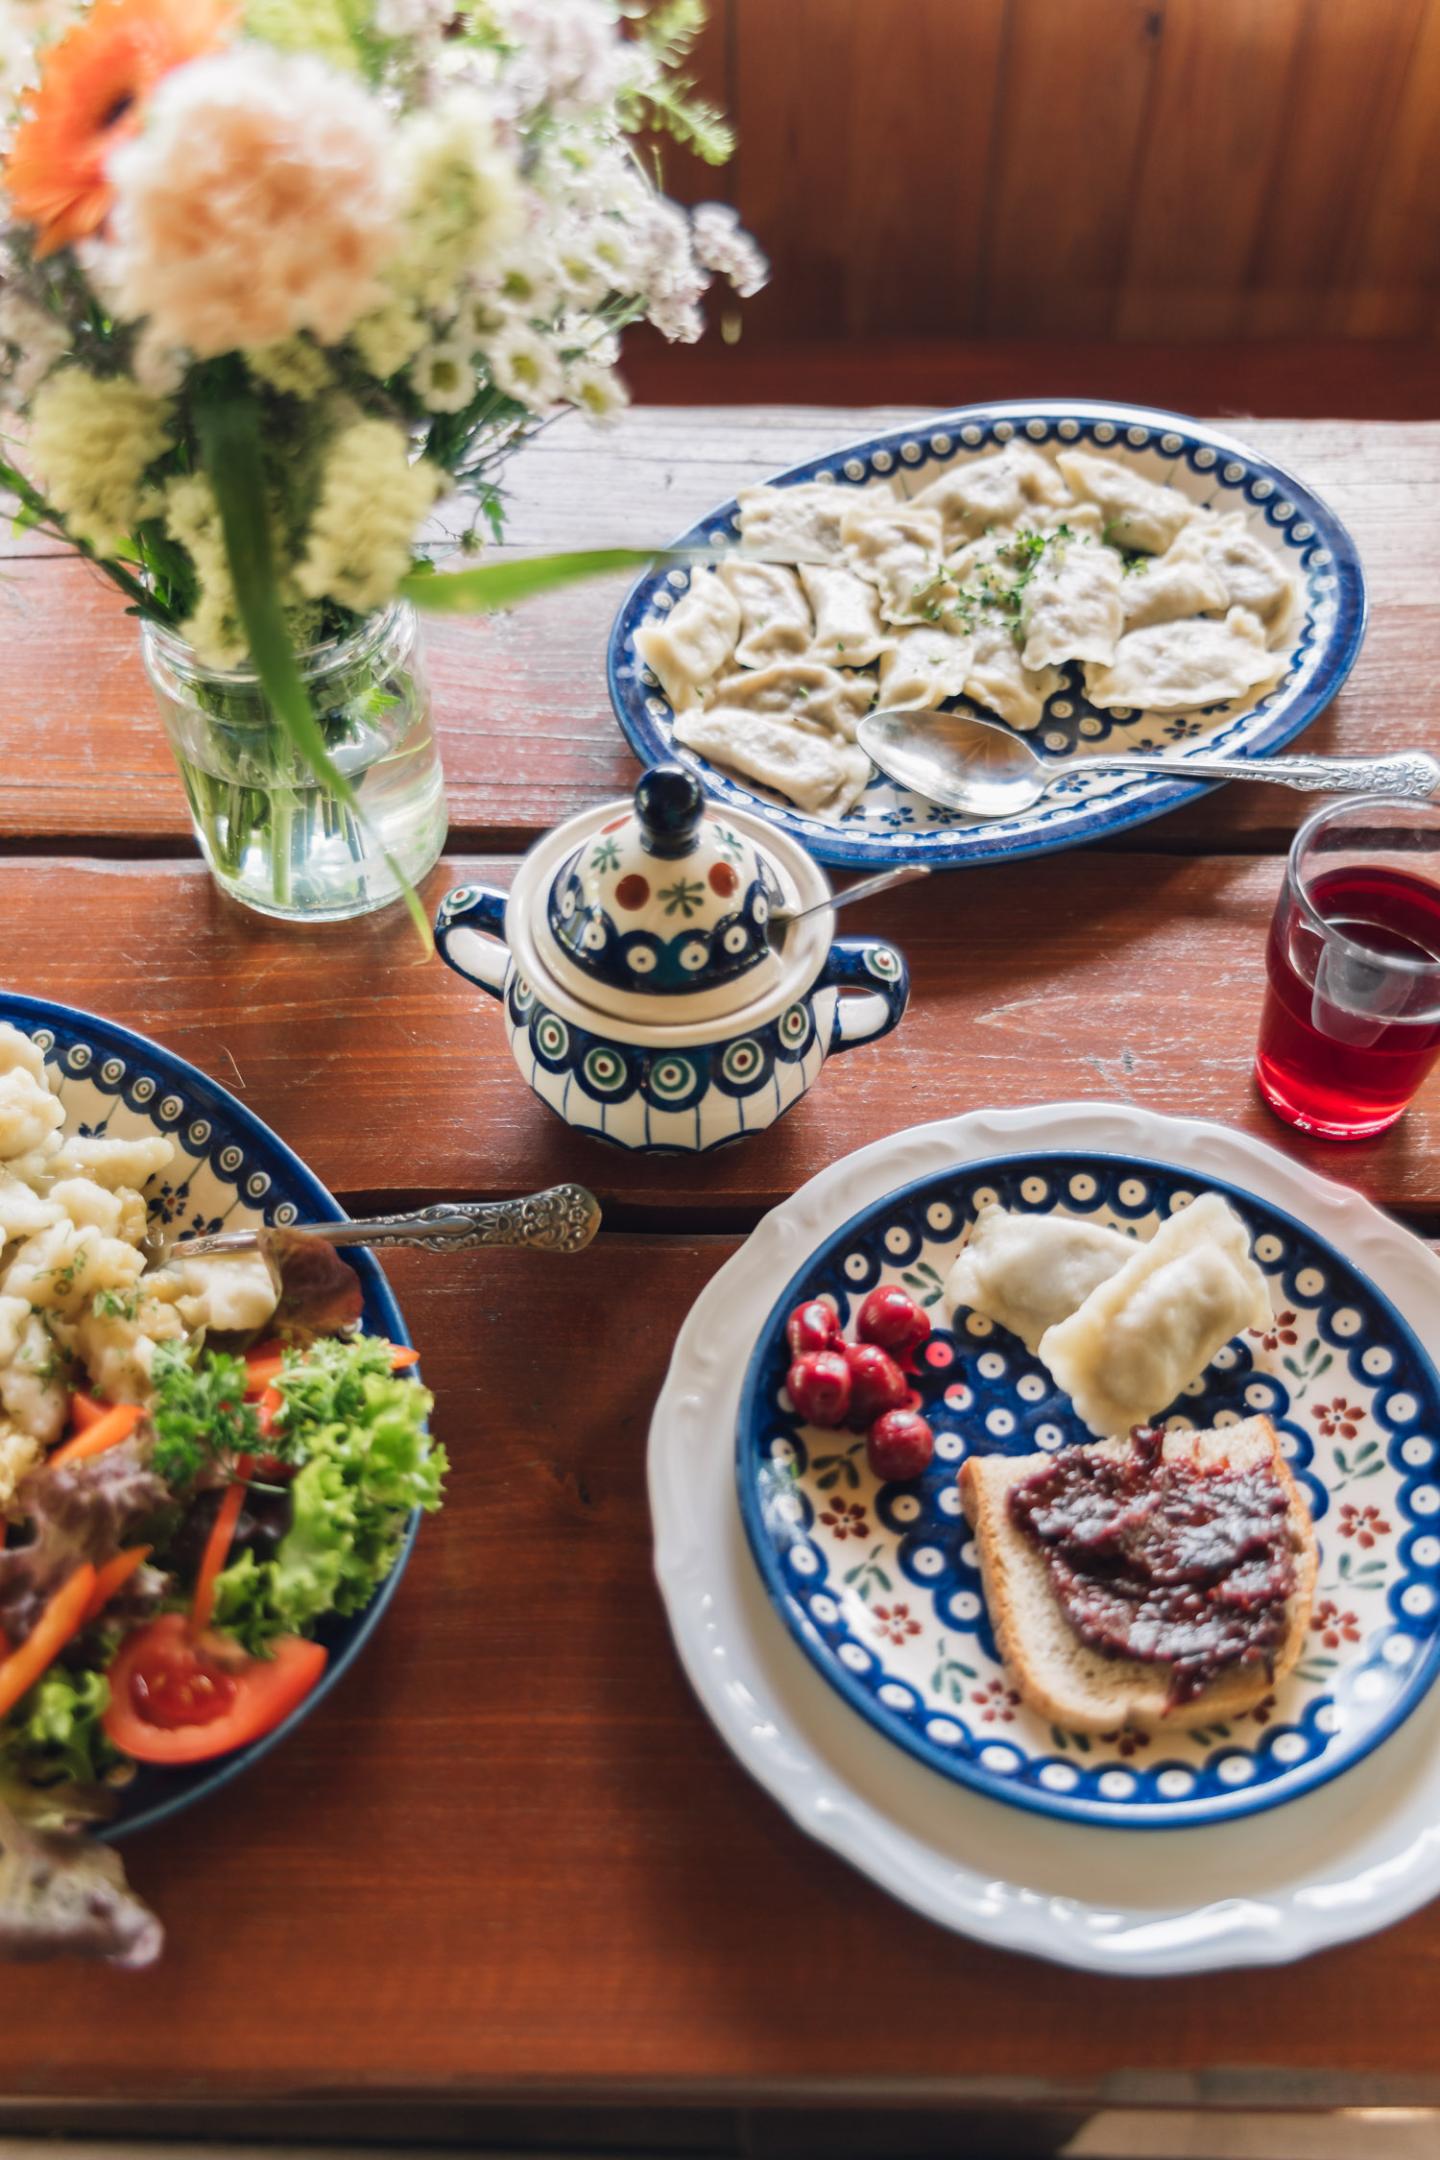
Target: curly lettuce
point(357, 1436)
point(54, 1735)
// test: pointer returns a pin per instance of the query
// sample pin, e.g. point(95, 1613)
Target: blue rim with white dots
point(890, 825)
point(230, 1171)
point(880, 1584)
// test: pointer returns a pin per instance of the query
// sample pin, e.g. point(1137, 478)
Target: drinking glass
point(1351, 1023)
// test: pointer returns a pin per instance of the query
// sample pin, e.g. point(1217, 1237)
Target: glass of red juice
point(1351, 1024)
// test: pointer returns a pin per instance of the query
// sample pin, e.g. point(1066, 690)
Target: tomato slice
point(175, 1700)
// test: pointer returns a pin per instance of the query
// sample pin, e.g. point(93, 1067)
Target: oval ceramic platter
point(867, 1598)
point(881, 1583)
point(891, 825)
point(229, 1171)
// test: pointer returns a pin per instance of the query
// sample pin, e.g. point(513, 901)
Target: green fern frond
point(671, 31)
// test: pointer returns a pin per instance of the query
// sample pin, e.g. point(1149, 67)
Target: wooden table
point(509, 1865)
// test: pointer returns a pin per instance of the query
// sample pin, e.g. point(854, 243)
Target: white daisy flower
point(444, 375)
point(526, 367)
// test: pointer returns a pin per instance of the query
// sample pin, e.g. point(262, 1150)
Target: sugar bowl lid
point(664, 908)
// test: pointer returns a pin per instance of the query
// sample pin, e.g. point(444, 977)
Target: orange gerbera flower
point(94, 86)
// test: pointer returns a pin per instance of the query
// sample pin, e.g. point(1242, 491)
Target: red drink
point(1345, 1038)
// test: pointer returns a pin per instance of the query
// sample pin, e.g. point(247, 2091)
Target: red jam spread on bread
point(1169, 1562)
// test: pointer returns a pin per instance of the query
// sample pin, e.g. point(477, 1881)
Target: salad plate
point(880, 1583)
point(890, 825)
point(229, 1171)
point(1050, 1875)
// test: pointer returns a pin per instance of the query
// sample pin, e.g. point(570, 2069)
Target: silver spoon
point(562, 1219)
point(783, 919)
point(980, 767)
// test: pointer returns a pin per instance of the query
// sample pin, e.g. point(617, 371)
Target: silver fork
point(563, 1219)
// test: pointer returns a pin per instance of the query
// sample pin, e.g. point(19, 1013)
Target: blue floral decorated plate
point(890, 825)
point(880, 1584)
point(229, 1171)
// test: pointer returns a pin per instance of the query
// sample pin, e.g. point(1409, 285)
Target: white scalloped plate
point(1337, 1863)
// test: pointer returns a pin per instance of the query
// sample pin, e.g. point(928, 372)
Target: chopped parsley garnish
point(200, 1412)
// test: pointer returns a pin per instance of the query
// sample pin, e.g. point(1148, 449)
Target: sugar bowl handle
point(865, 964)
point(470, 932)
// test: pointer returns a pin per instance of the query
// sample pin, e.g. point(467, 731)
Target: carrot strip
point(107, 1432)
point(61, 1619)
point(85, 1411)
point(217, 1547)
point(114, 1576)
point(262, 1372)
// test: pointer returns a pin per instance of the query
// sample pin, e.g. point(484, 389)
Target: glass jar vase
point(276, 838)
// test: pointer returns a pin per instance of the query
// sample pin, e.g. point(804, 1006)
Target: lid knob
point(669, 803)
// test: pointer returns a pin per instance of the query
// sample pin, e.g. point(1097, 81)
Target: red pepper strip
point(62, 1618)
point(217, 1547)
point(84, 1411)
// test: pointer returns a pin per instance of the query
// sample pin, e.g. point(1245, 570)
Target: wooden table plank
point(510, 1848)
point(1131, 977)
point(524, 717)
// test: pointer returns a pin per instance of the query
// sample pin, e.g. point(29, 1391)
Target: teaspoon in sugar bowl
point(980, 767)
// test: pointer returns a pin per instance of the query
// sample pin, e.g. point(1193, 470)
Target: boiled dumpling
point(795, 524)
point(1070, 606)
point(1248, 573)
point(774, 620)
point(1138, 514)
point(897, 548)
point(19, 1454)
point(1169, 667)
point(230, 1293)
point(23, 1211)
point(29, 1113)
point(1153, 1327)
point(1169, 588)
point(1026, 1272)
point(113, 1162)
point(925, 667)
point(60, 1269)
point(999, 678)
point(116, 1341)
point(690, 645)
point(978, 494)
point(848, 629)
point(17, 1048)
point(804, 689)
point(808, 765)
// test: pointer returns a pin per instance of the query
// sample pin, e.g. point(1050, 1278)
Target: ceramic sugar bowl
point(644, 999)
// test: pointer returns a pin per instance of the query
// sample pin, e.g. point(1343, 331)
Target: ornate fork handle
point(1412, 773)
point(562, 1219)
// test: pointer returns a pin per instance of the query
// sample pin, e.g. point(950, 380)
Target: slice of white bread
point(1062, 1677)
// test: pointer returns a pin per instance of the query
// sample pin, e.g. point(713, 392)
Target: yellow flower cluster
point(459, 200)
point(372, 502)
point(316, 26)
point(193, 516)
point(292, 367)
point(388, 336)
point(92, 438)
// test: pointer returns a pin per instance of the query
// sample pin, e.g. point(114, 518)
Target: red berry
point(876, 1384)
point(819, 1387)
point(899, 1445)
point(893, 1320)
point(812, 1326)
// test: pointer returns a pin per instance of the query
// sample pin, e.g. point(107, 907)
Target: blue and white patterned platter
point(229, 1171)
point(890, 825)
point(880, 1584)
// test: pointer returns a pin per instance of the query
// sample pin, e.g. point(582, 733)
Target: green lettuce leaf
point(356, 1431)
point(54, 1734)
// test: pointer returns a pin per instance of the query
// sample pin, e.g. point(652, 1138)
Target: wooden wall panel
point(1069, 134)
point(1168, 170)
point(1395, 287)
point(1349, 77)
point(1223, 77)
point(866, 131)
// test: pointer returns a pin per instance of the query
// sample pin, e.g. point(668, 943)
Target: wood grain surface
point(525, 724)
point(509, 1859)
point(1127, 168)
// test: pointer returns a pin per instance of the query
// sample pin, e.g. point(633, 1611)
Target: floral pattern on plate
point(892, 825)
point(880, 1583)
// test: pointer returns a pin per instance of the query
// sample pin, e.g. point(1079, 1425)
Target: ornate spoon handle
point(1413, 773)
point(562, 1219)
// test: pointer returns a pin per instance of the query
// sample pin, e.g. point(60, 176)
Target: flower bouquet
point(277, 277)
